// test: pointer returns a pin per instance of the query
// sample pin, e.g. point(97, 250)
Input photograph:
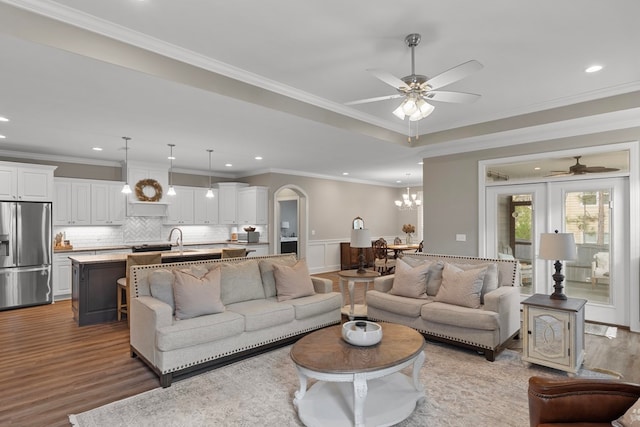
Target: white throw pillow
point(293, 282)
point(197, 296)
point(461, 287)
point(410, 281)
point(631, 418)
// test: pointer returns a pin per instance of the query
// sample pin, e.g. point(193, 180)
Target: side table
point(352, 277)
point(553, 332)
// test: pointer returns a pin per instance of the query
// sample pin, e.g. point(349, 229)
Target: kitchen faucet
point(179, 239)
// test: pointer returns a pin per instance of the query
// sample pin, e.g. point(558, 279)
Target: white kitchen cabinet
point(260, 250)
point(205, 208)
point(181, 207)
point(108, 204)
point(228, 203)
point(72, 202)
point(33, 183)
point(252, 205)
point(553, 332)
point(138, 172)
point(61, 277)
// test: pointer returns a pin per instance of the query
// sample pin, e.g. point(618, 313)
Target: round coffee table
point(359, 386)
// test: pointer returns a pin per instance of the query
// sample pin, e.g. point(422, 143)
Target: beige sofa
point(440, 316)
point(249, 319)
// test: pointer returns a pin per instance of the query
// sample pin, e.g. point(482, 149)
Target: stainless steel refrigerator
point(25, 254)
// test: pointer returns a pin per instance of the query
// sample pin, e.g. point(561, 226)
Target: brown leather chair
point(579, 401)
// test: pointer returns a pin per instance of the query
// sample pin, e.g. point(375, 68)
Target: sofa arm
point(579, 400)
point(506, 302)
point(148, 314)
point(322, 285)
point(384, 283)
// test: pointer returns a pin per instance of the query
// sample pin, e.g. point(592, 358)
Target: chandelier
point(409, 201)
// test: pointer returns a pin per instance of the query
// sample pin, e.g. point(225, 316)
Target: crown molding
point(56, 158)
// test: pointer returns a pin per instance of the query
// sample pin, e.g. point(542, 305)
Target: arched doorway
point(290, 219)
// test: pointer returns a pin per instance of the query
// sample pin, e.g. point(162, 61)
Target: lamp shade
point(360, 238)
point(557, 246)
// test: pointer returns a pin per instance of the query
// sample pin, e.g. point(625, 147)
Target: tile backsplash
point(146, 230)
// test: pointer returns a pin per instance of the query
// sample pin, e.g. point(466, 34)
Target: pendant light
point(210, 194)
point(126, 189)
point(171, 191)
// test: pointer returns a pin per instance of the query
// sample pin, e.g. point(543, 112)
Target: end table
point(352, 277)
point(553, 332)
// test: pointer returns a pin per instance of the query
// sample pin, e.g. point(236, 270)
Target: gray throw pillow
point(197, 296)
point(161, 286)
point(461, 287)
point(410, 281)
point(490, 282)
point(434, 277)
point(266, 272)
point(240, 281)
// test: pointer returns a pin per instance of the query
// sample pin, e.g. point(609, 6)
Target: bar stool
point(234, 252)
point(123, 289)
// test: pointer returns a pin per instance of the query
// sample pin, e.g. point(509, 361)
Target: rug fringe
point(73, 420)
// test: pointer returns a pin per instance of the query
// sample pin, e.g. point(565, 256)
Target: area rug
point(461, 389)
point(601, 330)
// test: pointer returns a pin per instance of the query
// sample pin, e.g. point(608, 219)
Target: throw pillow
point(196, 270)
point(266, 271)
point(490, 282)
point(197, 296)
point(161, 286)
point(410, 281)
point(434, 277)
point(461, 287)
point(293, 282)
point(631, 418)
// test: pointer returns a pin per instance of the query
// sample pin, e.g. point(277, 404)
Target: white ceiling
point(270, 78)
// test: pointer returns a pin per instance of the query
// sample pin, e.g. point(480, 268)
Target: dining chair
point(420, 247)
point(383, 262)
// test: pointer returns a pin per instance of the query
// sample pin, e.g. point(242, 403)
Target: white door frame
point(633, 267)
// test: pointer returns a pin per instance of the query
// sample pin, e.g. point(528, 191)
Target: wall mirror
point(358, 223)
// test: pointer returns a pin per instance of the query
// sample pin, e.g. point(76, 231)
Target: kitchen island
point(93, 284)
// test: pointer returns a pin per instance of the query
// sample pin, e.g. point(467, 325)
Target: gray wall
point(451, 188)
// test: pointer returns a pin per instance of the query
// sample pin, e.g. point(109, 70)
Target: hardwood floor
point(52, 368)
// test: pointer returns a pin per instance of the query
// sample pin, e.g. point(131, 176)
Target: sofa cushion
point(410, 281)
point(161, 286)
point(240, 281)
point(266, 271)
point(293, 282)
point(490, 282)
point(463, 317)
point(461, 287)
point(434, 277)
point(195, 296)
point(196, 270)
point(199, 330)
point(410, 307)
point(315, 304)
point(261, 314)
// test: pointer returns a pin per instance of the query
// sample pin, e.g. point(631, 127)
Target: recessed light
point(228, 165)
point(537, 168)
point(171, 157)
point(2, 137)
point(258, 157)
point(421, 163)
point(97, 149)
point(398, 181)
point(593, 69)
point(345, 173)
point(3, 119)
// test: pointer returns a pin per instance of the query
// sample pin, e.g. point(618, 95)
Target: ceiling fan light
point(417, 115)
point(409, 106)
point(426, 108)
point(398, 112)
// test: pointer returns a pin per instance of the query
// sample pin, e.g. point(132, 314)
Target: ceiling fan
point(416, 89)
point(580, 169)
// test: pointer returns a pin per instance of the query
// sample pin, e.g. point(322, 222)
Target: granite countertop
point(128, 246)
point(103, 258)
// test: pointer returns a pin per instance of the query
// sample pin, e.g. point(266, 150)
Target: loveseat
point(468, 301)
point(190, 316)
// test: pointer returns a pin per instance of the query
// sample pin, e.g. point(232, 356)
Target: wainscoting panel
point(324, 255)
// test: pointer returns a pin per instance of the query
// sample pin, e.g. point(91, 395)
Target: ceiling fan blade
point(388, 78)
point(378, 98)
point(599, 169)
point(454, 74)
point(559, 173)
point(459, 97)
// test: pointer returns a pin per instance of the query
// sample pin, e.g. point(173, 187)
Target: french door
point(594, 210)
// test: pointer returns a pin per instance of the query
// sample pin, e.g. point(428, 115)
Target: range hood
point(149, 183)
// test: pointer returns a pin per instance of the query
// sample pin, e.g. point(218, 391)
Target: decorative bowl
point(249, 229)
point(362, 333)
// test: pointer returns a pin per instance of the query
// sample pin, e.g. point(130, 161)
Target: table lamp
point(557, 246)
point(361, 238)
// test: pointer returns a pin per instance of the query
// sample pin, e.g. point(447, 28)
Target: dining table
point(400, 248)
